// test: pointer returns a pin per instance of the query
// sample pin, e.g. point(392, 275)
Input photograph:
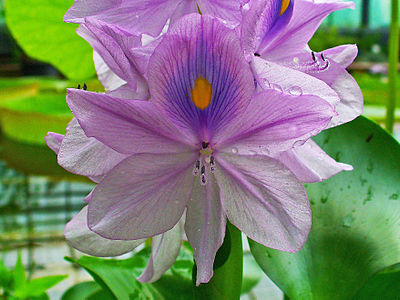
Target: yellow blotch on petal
point(201, 94)
point(285, 5)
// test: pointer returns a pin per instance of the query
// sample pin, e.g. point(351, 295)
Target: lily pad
point(38, 27)
point(356, 223)
point(34, 160)
point(29, 119)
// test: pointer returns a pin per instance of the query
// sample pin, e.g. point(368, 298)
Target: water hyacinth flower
point(274, 36)
point(201, 149)
point(149, 17)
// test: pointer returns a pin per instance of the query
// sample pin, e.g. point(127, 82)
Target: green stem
point(226, 283)
point(393, 65)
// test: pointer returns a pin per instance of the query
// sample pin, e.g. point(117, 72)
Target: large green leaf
point(356, 219)
point(38, 27)
point(81, 291)
point(118, 278)
point(226, 282)
point(384, 285)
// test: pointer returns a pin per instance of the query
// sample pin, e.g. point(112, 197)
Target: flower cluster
point(208, 115)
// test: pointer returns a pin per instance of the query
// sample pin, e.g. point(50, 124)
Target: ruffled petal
point(351, 98)
point(275, 122)
point(228, 10)
point(86, 156)
point(79, 236)
point(164, 251)
point(264, 200)
point(310, 163)
point(108, 78)
point(145, 195)
point(258, 19)
point(343, 55)
point(127, 126)
point(293, 38)
point(113, 45)
point(205, 226)
point(84, 8)
point(149, 17)
point(200, 47)
point(291, 81)
point(53, 141)
point(136, 16)
point(324, 67)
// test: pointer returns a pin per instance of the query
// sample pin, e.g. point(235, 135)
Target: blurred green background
point(40, 56)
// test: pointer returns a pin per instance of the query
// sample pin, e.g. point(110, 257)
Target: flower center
point(205, 164)
point(284, 7)
point(201, 94)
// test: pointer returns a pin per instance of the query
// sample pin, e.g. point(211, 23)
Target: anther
point(84, 87)
point(313, 56)
point(79, 87)
point(196, 168)
point(212, 164)
point(257, 54)
point(322, 56)
point(203, 180)
point(203, 176)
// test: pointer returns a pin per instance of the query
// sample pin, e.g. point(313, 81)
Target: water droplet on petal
point(266, 83)
point(266, 151)
point(277, 87)
point(296, 91)
point(252, 152)
point(235, 150)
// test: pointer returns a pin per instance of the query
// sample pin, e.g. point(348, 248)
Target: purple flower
point(200, 149)
point(140, 16)
point(274, 36)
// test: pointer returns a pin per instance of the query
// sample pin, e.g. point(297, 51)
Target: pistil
point(205, 164)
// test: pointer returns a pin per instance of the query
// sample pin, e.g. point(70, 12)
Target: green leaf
point(251, 273)
point(384, 285)
point(174, 287)
point(38, 27)
point(37, 287)
point(41, 114)
point(228, 269)
point(118, 277)
point(81, 291)
point(356, 224)
point(6, 278)
point(19, 274)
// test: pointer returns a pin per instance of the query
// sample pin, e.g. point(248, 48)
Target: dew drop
point(235, 150)
point(277, 87)
point(295, 91)
point(348, 221)
point(266, 83)
point(266, 151)
point(252, 152)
